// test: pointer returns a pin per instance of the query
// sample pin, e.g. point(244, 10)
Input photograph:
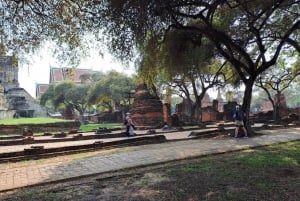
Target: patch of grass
point(267, 173)
point(43, 120)
point(32, 195)
point(194, 168)
point(91, 127)
point(286, 154)
point(229, 196)
point(35, 120)
point(264, 160)
point(4, 135)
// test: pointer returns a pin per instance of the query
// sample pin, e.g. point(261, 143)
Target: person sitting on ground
point(129, 125)
point(239, 116)
point(165, 126)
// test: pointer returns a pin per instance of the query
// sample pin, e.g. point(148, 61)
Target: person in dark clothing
point(239, 117)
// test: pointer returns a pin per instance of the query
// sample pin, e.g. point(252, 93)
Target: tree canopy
point(243, 31)
point(67, 95)
point(25, 25)
point(106, 91)
point(250, 35)
point(110, 91)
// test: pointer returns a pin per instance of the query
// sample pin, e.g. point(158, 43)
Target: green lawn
point(43, 120)
point(35, 120)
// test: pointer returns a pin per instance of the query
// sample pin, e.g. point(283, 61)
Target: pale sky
point(39, 71)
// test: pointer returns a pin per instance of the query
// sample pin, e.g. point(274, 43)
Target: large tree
point(69, 96)
point(248, 34)
point(189, 68)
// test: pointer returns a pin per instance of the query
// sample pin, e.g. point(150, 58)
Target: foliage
point(257, 99)
point(276, 80)
point(77, 97)
point(92, 77)
point(56, 93)
point(26, 26)
point(107, 91)
point(111, 91)
point(231, 24)
point(67, 95)
point(293, 96)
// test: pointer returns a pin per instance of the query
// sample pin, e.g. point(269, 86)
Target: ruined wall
point(37, 128)
point(228, 110)
point(209, 114)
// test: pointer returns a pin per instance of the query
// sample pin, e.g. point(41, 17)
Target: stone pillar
point(280, 103)
point(228, 111)
point(3, 101)
point(216, 105)
point(167, 107)
point(167, 113)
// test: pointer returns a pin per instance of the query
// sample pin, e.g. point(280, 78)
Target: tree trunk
point(278, 105)
point(247, 102)
point(191, 108)
point(82, 118)
point(197, 112)
point(275, 110)
point(199, 106)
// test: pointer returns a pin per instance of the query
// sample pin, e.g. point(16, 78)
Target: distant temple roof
point(40, 89)
point(62, 74)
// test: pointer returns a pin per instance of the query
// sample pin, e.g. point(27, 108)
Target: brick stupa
point(147, 110)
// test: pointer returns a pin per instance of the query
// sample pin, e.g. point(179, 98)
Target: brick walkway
point(21, 174)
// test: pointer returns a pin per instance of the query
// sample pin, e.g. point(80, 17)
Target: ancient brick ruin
point(147, 110)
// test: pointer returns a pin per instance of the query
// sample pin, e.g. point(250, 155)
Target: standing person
point(239, 116)
point(129, 125)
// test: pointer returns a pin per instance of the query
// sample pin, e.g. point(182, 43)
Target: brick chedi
point(147, 110)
